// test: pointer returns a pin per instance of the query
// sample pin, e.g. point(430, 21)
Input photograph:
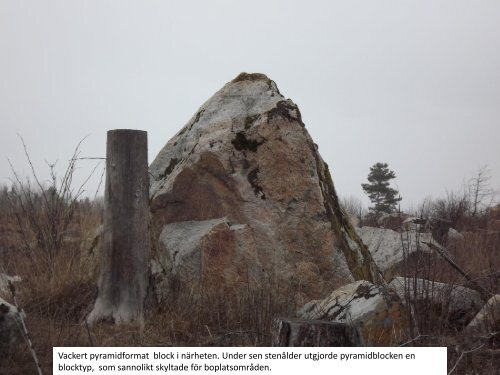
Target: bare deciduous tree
point(481, 195)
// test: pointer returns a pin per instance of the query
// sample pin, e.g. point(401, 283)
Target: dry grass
point(477, 254)
point(56, 318)
point(57, 298)
point(58, 293)
point(56, 303)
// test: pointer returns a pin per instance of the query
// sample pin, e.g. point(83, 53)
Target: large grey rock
point(454, 302)
point(487, 319)
point(374, 308)
point(212, 253)
point(183, 242)
point(389, 247)
point(247, 157)
point(10, 327)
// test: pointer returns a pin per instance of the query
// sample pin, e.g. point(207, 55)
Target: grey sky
point(415, 84)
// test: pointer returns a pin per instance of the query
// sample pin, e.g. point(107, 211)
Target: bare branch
point(461, 355)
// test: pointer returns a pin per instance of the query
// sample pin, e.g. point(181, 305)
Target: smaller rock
point(415, 224)
point(392, 221)
point(4, 282)
point(379, 312)
point(9, 327)
point(440, 228)
point(487, 319)
point(455, 235)
point(454, 302)
point(388, 247)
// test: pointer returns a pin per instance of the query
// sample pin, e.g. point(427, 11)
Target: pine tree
point(380, 193)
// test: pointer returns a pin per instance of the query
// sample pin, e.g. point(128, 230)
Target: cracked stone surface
point(375, 309)
point(198, 251)
point(247, 157)
point(387, 246)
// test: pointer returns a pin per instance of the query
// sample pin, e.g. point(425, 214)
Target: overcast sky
point(415, 84)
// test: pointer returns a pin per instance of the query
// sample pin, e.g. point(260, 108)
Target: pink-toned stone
point(246, 156)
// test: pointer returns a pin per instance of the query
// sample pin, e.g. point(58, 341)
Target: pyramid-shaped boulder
point(241, 195)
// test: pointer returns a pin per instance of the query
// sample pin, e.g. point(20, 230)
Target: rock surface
point(245, 158)
point(454, 302)
point(416, 224)
point(386, 245)
point(198, 252)
point(487, 319)
point(379, 312)
point(392, 221)
point(454, 236)
point(9, 327)
point(4, 282)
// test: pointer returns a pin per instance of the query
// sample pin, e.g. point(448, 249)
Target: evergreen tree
point(380, 193)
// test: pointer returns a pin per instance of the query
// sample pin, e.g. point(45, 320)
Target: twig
point(100, 182)
point(414, 339)
point(48, 214)
point(91, 158)
point(461, 355)
point(32, 167)
point(88, 332)
point(24, 328)
point(483, 292)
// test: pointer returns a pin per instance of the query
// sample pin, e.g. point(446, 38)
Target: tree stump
point(301, 332)
point(125, 240)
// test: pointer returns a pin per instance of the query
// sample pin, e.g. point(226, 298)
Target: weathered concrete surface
point(380, 314)
point(247, 157)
